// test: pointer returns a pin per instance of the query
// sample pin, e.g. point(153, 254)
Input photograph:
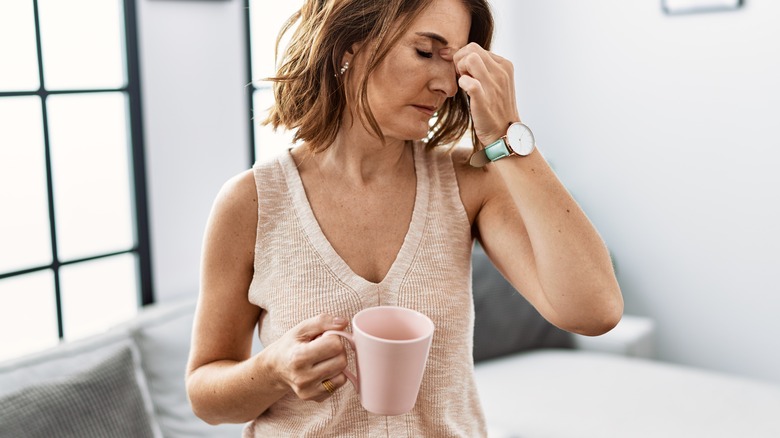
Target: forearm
point(233, 392)
point(572, 262)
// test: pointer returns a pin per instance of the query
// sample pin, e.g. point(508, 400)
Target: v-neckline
point(339, 267)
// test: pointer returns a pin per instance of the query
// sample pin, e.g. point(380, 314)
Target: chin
point(407, 137)
point(410, 134)
point(405, 125)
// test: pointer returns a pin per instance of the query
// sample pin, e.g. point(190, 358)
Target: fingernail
point(339, 321)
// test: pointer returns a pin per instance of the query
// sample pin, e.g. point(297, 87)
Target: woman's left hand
point(489, 81)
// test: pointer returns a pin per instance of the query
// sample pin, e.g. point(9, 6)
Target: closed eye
point(424, 54)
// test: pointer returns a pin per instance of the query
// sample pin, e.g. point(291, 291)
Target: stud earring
point(344, 68)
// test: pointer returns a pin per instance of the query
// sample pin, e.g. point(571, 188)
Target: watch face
point(520, 138)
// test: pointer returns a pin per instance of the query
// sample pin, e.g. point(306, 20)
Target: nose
point(445, 79)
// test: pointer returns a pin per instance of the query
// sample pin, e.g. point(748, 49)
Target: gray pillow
point(505, 322)
point(163, 338)
point(104, 401)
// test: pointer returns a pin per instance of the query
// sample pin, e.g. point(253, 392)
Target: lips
point(429, 110)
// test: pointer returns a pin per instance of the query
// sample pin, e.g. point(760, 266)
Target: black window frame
point(252, 88)
point(132, 90)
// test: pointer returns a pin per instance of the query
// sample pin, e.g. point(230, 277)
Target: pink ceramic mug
point(391, 346)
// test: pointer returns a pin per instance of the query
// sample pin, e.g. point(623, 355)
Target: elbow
point(204, 405)
point(600, 326)
point(603, 319)
point(198, 407)
point(204, 414)
point(597, 318)
point(200, 403)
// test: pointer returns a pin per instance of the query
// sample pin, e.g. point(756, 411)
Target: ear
point(350, 53)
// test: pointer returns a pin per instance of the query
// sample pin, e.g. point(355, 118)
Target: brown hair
point(309, 94)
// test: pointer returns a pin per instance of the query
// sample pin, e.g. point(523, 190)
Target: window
point(264, 24)
point(74, 241)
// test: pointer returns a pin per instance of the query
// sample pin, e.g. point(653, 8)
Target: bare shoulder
point(239, 189)
point(237, 201)
point(231, 229)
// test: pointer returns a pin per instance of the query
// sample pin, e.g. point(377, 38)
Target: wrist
point(494, 134)
point(264, 369)
point(517, 140)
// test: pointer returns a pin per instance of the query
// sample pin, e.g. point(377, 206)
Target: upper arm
point(498, 226)
point(503, 235)
point(225, 319)
point(544, 244)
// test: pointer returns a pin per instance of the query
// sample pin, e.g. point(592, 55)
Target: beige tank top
point(298, 275)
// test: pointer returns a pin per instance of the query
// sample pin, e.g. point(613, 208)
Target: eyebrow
point(434, 36)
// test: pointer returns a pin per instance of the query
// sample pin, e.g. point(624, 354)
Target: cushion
point(505, 322)
point(163, 336)
point(67, 359)
point(103, 401)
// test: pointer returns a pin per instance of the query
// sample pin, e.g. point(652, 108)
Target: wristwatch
point(518, 140)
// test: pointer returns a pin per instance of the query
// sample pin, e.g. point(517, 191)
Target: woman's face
point(418, 74)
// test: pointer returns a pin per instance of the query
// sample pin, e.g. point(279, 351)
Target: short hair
point(309, 94)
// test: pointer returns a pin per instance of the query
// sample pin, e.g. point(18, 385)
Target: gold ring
point(329, 386)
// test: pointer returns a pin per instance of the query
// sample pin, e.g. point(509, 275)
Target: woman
point(364, 213)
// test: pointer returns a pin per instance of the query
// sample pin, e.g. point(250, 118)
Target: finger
point(330, 366)
point(307, 384)
point(473, 49)
point(447, 53)
point(467, 49)
point(491, 61)
point(472, 65)
point(311, 328)
point(471, 86)
point(324, 348)
point(330, 386)
point(339, 380)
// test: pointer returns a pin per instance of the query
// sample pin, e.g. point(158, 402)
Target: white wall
point(664, 128)
point(193, 78)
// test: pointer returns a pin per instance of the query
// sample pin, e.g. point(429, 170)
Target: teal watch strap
point(519, 140)
point(492, 152)
point(497, 150)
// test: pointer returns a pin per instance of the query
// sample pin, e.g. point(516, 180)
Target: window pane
point(91, 170)
point(265, 23)
point(267, 142)
point(25, 240)
point(18, 54)
point(82, 44)
point(28, 314)
point(97, 295)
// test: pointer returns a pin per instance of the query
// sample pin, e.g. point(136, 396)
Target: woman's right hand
point(302, 358)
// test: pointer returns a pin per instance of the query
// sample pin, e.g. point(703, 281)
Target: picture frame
point(676, 7)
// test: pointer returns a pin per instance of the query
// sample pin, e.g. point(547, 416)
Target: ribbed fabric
point(103, 401)
point(298, 275)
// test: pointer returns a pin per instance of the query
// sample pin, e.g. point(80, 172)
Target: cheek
point(399, 78)
point(396, 88)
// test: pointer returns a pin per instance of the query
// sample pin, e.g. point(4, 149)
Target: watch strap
point(479, 158)
point(492, 152)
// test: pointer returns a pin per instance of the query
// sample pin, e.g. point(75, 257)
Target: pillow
point(64, 360)
point(104, 401)
point(505, 322)
point(163, 337)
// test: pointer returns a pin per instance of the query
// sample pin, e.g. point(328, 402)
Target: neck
point(361, 159)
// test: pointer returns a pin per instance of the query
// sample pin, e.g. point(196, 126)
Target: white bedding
point(580, 394)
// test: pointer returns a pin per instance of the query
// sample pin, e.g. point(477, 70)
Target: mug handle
point(352, 377)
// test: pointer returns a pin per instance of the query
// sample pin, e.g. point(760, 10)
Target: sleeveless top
point(298, 275)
